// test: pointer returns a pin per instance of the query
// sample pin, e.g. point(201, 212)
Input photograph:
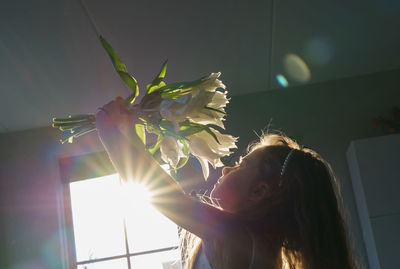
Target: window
point(111, 225)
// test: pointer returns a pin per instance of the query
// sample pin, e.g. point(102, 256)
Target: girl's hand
point(112, 117)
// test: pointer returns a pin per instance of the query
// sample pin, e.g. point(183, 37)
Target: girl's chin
point(213, 193)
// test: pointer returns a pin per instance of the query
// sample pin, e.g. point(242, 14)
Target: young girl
point(279, 207)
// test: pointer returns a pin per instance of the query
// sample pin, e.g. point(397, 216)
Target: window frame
point(82, 167)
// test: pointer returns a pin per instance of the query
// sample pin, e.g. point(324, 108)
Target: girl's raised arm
point(134, 163)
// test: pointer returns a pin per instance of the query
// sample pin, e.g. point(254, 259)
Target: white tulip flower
point(206, 149)
point(210, 83)
point(174, 109)
point(171, 151)
point(201, 107)
point(208, 108)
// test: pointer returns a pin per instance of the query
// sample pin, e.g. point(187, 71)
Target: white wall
point(373, 165)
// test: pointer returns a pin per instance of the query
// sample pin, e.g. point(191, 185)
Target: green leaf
point(120, 67)
point(214, 109)
point(172, 133)
point(179, 86)
point(130, 99)
point(182, 162)
point(131, 82)
point(156, 146)
point(189, 128)
point(151, 101)
point(156, 87)
point(175, 90)
point(185, 146)
point(140, 131)
point(153, 129)
point(168, 129)
point(175, 94)
point(158, 80)
point(166, 125)
point(208, 130)
point(142, 120)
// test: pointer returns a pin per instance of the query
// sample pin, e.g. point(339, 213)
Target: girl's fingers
point(104, 110)
point(120, 100)
point(112, 106)
point(115, 109)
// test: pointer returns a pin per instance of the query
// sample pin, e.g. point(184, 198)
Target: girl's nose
point(226, 170)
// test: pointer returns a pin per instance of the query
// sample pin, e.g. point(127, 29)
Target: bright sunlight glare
point(99, 208)
point(135, 195)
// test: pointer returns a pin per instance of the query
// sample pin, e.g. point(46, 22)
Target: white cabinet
point(374, 166)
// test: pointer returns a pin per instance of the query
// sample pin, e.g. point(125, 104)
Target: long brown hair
point(301, 218)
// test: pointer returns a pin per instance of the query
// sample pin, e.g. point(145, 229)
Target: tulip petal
point(171, 151)
point(204, 167)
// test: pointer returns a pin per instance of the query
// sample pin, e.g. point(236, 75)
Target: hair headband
point(285, 164)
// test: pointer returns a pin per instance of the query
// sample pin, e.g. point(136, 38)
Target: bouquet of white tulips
point(179, 114)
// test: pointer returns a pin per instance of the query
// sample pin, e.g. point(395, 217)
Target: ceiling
point(52, 63)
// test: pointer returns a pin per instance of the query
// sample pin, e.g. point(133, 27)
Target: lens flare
point(282, 80)
point(319, 51)
point(296, 68)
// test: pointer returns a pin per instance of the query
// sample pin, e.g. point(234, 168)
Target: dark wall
point(324, 116)
point(30, 196)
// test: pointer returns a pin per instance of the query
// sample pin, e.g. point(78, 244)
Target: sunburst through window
point(115, 226)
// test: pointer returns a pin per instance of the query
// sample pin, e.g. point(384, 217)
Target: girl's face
point(238, 187)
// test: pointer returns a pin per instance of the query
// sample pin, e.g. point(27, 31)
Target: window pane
point(160, 260)
point(114, 264)
point(97, 220)
point(148, 229)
